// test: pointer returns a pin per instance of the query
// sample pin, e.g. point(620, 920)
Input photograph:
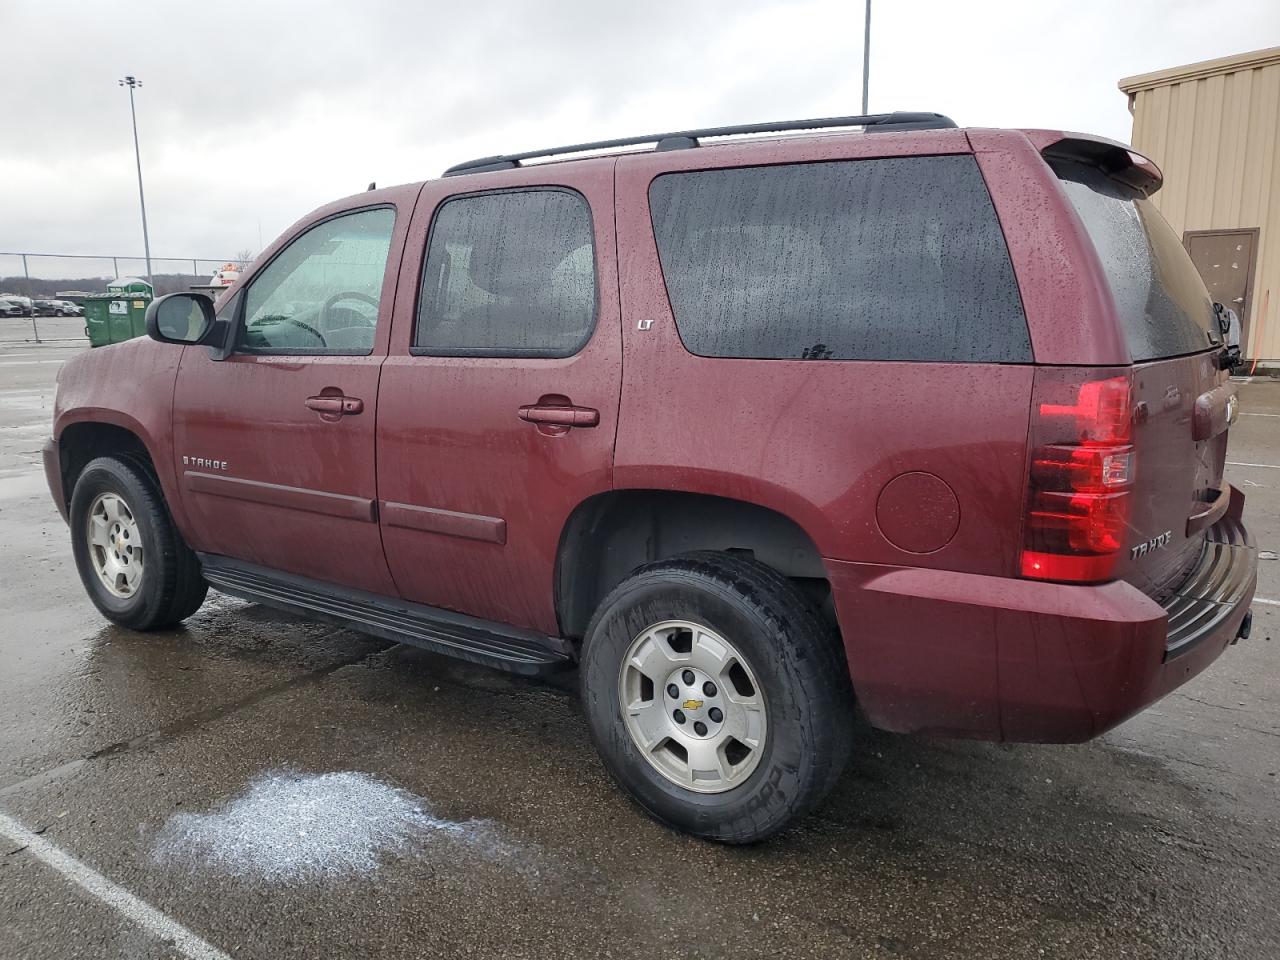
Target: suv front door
point(499, 400)
point(275, 444)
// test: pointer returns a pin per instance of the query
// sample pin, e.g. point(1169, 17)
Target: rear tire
point(135, 566)
point(770, 738)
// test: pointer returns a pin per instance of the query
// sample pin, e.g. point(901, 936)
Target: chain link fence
point(53, 276)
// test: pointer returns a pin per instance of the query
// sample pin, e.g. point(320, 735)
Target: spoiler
point(1117, 160)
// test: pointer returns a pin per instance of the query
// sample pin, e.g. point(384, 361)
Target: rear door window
point(508, 274)
point(885, 259)
point(1162, 301)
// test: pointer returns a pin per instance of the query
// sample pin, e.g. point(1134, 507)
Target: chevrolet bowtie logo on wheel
point(692, 704)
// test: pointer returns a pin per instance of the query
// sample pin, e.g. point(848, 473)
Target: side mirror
point(182, 318)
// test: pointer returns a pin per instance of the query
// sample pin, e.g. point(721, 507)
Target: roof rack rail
point(688, 139)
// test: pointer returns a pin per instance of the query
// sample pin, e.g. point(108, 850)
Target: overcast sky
point(248, 120)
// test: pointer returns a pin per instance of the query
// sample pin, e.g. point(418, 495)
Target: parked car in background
point(56, 308)
point(924, 420)
point(10, 308)
point(24, 303)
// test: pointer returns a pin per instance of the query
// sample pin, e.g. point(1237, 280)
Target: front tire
point(133, 563)
point(716, 696)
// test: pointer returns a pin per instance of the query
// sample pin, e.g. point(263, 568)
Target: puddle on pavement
point(290, 827)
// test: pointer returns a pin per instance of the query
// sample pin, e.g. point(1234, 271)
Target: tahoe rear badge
point(1155, 543)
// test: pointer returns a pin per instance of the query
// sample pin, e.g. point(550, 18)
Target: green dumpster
point(119, 314)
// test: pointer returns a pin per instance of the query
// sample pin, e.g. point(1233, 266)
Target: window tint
point(320, 295)
point(896, 259)
point(1164, 306)
point(509, 274)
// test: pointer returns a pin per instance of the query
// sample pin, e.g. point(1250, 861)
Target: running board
point(440, 631)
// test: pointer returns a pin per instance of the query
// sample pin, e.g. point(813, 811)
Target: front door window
point(320, 295)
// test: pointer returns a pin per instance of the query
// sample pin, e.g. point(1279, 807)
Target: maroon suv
point(750, 429)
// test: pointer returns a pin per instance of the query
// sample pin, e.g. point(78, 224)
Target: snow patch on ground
point(290, 827)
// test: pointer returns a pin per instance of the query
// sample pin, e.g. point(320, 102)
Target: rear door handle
point(332, 408)
point(560, 416)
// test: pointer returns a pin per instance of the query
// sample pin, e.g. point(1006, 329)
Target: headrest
point(507, 267)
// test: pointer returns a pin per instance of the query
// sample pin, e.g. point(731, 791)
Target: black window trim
point(1013, 270)
point(508, 353)
point(237, 349)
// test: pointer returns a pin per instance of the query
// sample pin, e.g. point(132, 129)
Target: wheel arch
point(85, 440)
point(81, 439)
point(610, 534)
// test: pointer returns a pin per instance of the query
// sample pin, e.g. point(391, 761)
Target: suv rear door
point(275, 444)
point(499, 401)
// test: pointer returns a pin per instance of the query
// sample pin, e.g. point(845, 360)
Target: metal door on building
point(1225, 259)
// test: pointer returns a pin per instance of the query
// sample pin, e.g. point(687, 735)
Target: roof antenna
point(372, 185)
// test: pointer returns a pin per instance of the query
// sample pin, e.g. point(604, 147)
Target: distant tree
point(245, 257)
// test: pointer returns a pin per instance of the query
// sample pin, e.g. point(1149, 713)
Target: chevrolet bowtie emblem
point(692, 704)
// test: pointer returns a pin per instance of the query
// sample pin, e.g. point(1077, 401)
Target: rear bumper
point(1000, 658)
point(53, 475)
point(1222, 580)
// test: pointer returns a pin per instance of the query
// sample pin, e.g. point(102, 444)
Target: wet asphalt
point(1159, 840)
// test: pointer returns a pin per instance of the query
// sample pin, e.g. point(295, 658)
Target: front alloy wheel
point(133, 562)
point(115, 545)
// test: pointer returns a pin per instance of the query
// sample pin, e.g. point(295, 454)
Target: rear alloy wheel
point(692, 707)
point(716, 695)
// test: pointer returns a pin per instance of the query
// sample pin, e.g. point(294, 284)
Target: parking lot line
point(1270, 603)
point(113, 895)
point(1269, 466)
point(1260, 414)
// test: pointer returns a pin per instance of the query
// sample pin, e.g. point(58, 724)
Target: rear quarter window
point(885, 259)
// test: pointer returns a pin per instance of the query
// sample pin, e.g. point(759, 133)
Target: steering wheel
point(305, 326)
point(351, 295)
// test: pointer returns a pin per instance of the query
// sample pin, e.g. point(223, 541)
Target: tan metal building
point(1214, 130)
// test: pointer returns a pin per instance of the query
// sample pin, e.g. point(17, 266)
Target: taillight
point(1081, 475)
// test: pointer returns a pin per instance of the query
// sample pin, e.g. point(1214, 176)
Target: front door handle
point(558, 416)
point(335, 407)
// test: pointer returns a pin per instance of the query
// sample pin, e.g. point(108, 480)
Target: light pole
point(866, 58)
point(132, 83)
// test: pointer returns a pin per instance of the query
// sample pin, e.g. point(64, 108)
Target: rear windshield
point(884, 259)
point(1163, 304)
